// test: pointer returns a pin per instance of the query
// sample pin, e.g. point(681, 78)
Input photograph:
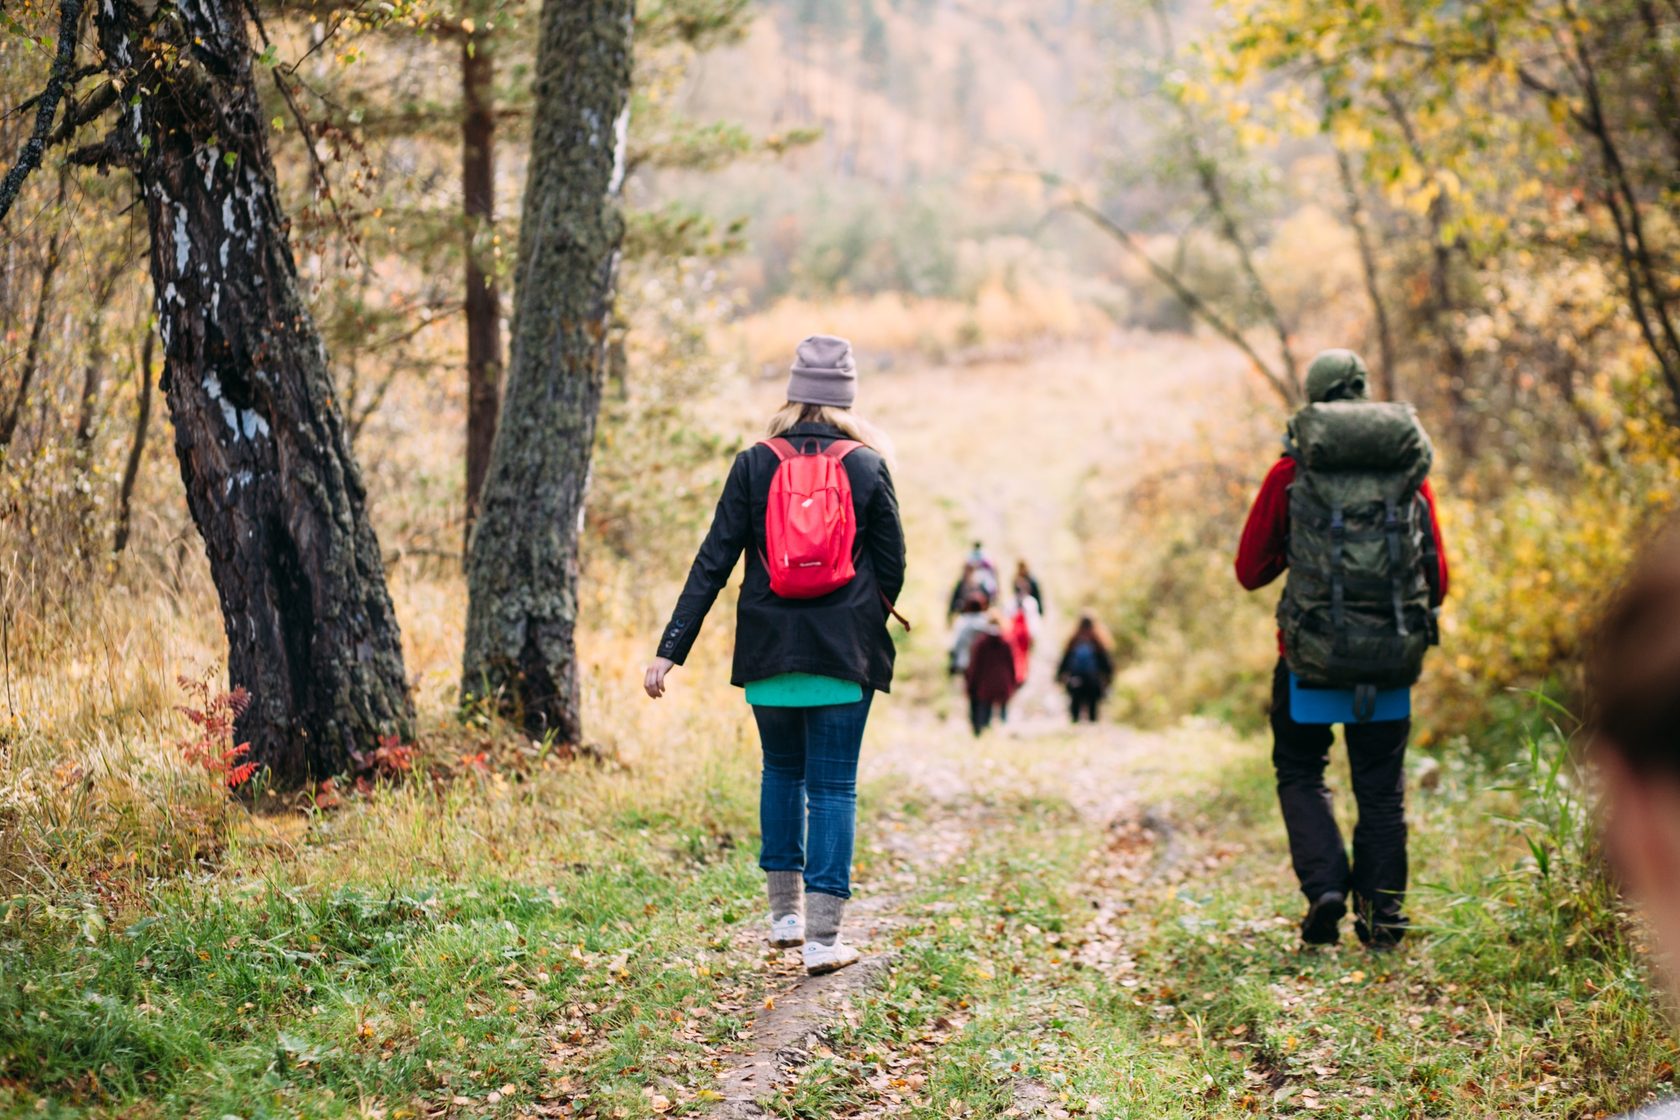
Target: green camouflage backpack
point(1357, 610)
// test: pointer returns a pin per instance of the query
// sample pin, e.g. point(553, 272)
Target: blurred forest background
point(1150, 213)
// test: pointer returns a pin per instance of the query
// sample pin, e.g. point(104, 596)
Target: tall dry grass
point(1000, 315)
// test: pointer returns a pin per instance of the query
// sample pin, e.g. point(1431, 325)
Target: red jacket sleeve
point(1428, 493)
point(1263, 551)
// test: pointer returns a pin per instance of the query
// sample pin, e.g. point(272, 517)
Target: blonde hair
point(851, 425)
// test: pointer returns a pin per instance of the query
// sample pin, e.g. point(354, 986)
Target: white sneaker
point(787, 931)
point(820, 958)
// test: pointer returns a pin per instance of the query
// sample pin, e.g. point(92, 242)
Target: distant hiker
point(814, 510)
point(1086, 669)
point(989, 674)
point(979, 577)
point(1633, 689)
point(1027, 584)
point(1349, 513)
point(1021, 631)
point(971, 619)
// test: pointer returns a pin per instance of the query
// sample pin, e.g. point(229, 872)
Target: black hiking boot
point(1380, 932)
point(1322, 925)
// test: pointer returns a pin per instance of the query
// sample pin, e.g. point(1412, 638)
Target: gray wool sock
point(822, 917)
point(785, 888)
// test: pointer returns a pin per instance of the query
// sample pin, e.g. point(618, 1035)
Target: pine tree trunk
point(269, 476)
point(483, 300)
point(522, 573)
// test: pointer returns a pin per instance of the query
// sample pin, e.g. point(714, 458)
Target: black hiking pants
point(980, 714)
point(1376, 755)
point(1083, 700)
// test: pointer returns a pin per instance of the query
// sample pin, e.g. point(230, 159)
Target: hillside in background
point(931, 118)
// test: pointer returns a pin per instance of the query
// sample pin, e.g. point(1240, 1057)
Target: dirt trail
point(937, 762)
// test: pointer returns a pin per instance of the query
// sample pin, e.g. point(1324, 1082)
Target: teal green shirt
point(802, 690)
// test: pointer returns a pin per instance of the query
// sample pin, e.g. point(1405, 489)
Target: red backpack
point(810, 528)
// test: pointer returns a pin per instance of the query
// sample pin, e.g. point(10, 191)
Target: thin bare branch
point(1192, 302)
point(46, 109)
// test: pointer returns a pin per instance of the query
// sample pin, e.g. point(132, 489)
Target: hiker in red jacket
point(1376, 877)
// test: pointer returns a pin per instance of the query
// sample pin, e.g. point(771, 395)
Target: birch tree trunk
point(270, 480)
point(523, 568)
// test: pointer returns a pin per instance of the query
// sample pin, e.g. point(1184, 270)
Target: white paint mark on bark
point(621, 129)
point(183, 244)
point(255, 425)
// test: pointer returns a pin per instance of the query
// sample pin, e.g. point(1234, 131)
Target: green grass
point(270, 1001)
point(585, 935)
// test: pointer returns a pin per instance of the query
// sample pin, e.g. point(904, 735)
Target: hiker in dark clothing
point(1086, 669)
point(1633, 689)
point(1026, 585)
point(810, 660)
point(979, 578)
point(989, 674)
point(1336, 626)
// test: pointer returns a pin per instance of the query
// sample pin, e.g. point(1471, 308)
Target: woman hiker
point(989, 673)
point(813, 509)
point(1086, 669)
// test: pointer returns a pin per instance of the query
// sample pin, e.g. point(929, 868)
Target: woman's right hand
point(654, 682)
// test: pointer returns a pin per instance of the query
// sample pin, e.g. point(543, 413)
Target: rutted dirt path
point(958, 782)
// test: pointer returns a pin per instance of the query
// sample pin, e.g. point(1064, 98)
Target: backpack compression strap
point(784, 449)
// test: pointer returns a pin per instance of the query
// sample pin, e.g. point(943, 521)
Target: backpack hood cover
point(1357, 609)
point(1338, 375)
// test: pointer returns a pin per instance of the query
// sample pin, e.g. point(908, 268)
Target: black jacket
point(842, 634)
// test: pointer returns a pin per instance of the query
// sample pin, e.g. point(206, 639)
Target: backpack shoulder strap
point(841, 448)
point(781, 448)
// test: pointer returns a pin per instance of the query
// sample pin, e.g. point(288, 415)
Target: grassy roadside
point(1069, 968)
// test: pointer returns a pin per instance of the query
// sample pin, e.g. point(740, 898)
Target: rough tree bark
point(483, 300)
point(269, 476)
point(523, 567)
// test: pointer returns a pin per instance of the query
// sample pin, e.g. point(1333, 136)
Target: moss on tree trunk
point(523, 568)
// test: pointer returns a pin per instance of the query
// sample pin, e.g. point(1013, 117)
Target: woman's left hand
point(654, 682)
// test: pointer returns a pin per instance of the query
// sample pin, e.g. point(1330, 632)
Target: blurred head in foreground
point(1633, 681)
point(1338, 375)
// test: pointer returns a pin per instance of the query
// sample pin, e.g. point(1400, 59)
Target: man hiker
point(1349, 513)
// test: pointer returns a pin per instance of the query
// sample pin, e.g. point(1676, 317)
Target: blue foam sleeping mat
point(1335, 705)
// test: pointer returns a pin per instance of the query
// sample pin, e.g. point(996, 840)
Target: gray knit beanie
point(823, 372)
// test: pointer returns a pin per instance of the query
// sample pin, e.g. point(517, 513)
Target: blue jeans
point(807, 804)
